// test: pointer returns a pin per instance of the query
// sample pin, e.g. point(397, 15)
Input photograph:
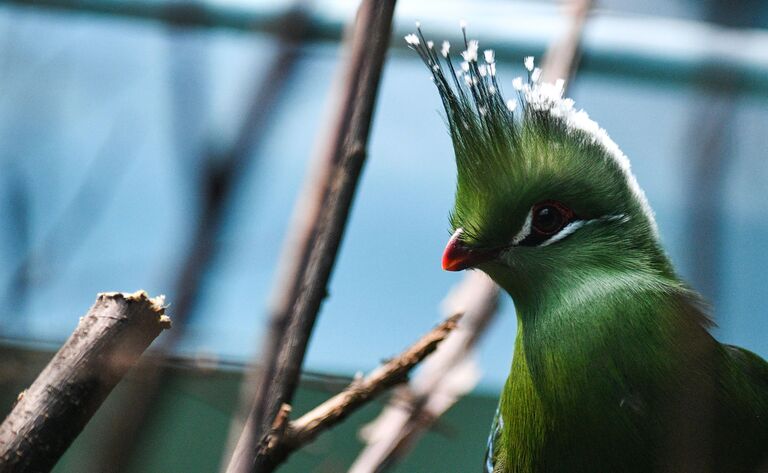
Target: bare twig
point(319, 223)
point(416, 406)
point(303, 430)
point(51, 413)
point(451, 373)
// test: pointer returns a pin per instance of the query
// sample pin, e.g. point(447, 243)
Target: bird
point(614, 367)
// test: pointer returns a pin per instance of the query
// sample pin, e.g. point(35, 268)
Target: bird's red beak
point(458, 256)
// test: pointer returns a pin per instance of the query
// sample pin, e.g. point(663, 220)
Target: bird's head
point(542, 191)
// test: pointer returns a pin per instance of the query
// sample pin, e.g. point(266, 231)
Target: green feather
point(614, 369)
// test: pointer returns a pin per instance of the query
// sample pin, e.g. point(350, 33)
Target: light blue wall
point(76, 87)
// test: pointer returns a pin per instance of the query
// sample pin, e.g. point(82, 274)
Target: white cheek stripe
point(573, 226)
point(567, 230)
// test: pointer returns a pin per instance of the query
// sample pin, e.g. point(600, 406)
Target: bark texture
point(106, 343)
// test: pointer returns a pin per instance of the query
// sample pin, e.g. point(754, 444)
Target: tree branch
point(288, 438)
point(563, 55)
point(444, 377)
point(53, 411)
point(319, 223)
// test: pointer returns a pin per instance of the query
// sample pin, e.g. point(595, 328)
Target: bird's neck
point(587, 363)
point(575, 314)
point(595, 315)
point(582, 314)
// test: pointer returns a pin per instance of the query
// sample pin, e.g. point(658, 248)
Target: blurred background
point(160, 145)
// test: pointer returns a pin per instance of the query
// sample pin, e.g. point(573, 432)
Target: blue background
point(112, 116)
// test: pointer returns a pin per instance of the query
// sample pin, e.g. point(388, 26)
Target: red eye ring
point(550, 216)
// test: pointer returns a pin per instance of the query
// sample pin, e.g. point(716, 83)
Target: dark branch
point(319, 223)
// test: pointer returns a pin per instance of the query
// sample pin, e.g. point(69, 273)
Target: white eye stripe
point(576, 224)
point(567, 230)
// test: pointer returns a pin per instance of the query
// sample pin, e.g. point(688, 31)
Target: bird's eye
point(550, 217)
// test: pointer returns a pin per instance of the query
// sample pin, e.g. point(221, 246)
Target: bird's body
point(627, 379)
point(614, 369)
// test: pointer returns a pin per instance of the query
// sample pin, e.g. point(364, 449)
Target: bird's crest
point(488, 131)
point(480, 121)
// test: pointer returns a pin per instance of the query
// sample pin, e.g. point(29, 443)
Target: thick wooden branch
point(106, 343)
point(316, 232)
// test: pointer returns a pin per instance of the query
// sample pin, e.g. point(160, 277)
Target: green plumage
point(614, 369)
point(621, 375)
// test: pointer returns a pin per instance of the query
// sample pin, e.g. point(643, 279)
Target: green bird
point(614, 368)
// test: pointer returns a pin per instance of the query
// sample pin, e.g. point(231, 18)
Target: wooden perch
point(106, 343)
point(286, 438)
point(318, 225)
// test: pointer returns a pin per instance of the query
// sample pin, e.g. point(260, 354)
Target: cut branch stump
point(50, 414)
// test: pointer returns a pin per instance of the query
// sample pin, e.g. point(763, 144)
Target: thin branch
point(51, 413)
point(287, 438)
point(563, 56)
point(445, 377)
point(451, 373)
point(319, 223)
